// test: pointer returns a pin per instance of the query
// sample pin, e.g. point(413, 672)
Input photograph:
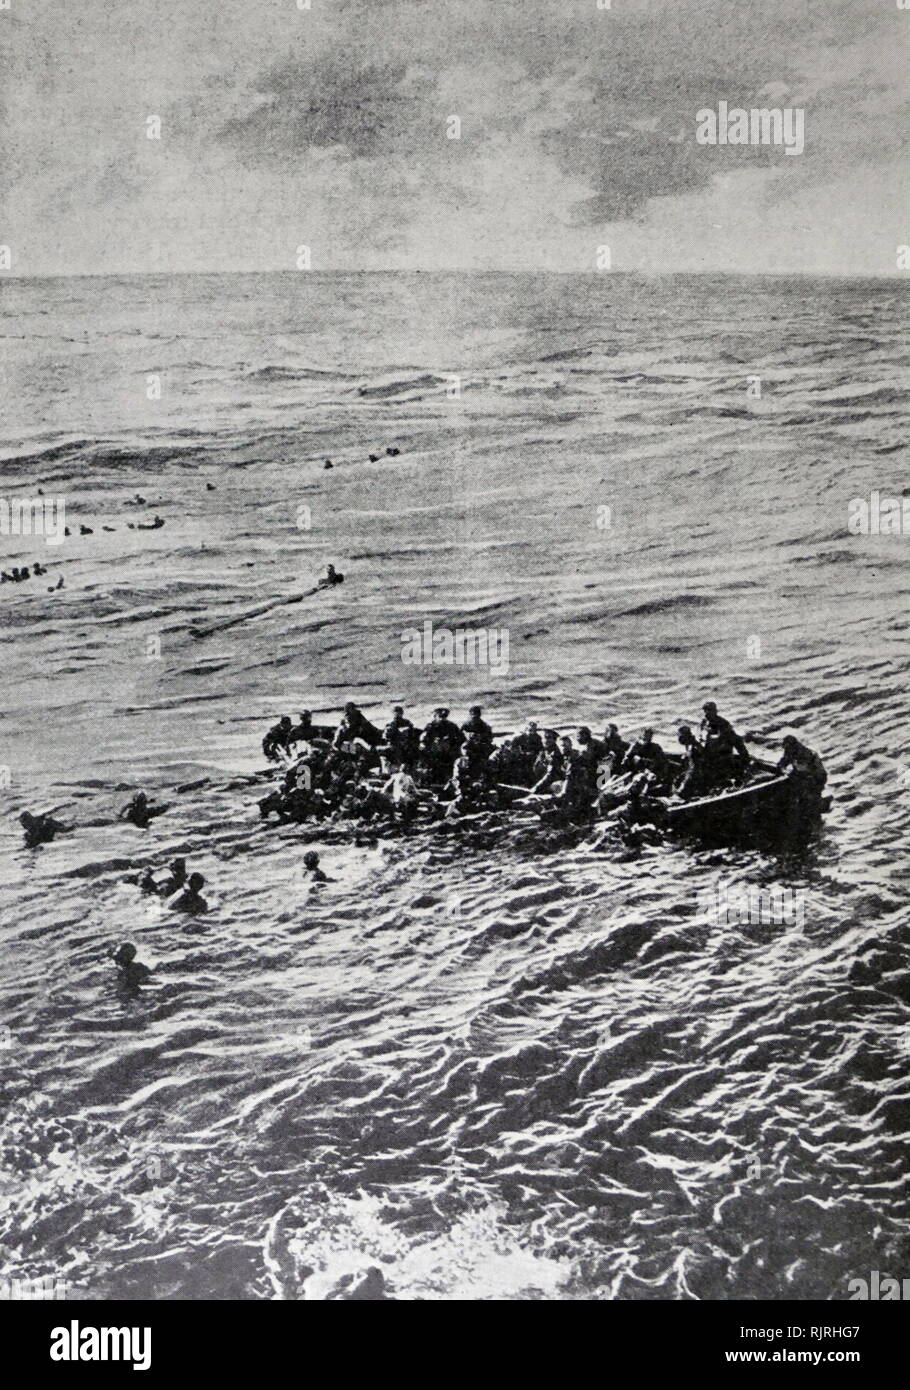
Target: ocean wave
point(280, 373)
point(499, 1068)
point(426, 381)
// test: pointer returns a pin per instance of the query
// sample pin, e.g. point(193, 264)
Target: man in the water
point(132, 971)
point(191, 899)
point(175, 880)
point(801, 761)
point(277, 738)
point(330, 577)
point(311, 864)
point(139, 812)
point(641, 809)
point(147, 883)
point(40, 830)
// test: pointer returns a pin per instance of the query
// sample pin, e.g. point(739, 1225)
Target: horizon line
point(425, 270)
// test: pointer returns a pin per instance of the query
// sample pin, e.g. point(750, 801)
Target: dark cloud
point(638, 75)
point(634, 170)
point(632, 140)
point(572, 118)
point(366, 110)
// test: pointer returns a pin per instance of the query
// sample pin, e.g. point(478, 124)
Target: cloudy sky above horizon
point(327, 127)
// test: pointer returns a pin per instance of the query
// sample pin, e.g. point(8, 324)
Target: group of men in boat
point(360, 771)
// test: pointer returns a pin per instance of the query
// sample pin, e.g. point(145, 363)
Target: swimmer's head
point(125, 954)
point(310, 859)
point(178, 866)
point(27, 819)
point(196, 881)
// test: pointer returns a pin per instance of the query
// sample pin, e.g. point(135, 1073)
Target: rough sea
point(496, 1075)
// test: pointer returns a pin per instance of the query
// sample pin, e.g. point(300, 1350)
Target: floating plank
point(208, 628)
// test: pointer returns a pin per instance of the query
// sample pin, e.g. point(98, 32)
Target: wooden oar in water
point(220, 626)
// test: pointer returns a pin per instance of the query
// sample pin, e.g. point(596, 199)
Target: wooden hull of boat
point(777, 809)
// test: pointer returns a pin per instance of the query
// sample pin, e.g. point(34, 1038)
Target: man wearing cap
point(726, 754)
point(400, 738)
point(439, 745)
point(475, 724)
point(354, 724)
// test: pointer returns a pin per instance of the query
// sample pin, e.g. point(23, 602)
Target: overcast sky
point(328, 127)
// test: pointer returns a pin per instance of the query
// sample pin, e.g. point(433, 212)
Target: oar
point(251, 613)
